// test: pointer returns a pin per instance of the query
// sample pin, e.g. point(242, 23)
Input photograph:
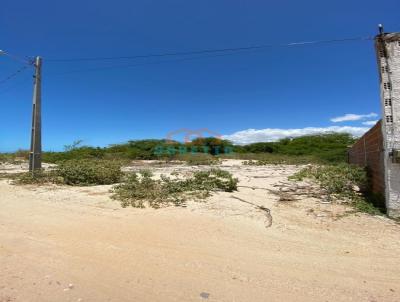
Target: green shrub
point(89, 172)
point(74, 172)
point(337, 179)
point(83, 152)
point(38, 178)
point(213, 179)
point(211, 145)
point(198, 159)
point(137, 190)
point(325, 148)
point(343, 181)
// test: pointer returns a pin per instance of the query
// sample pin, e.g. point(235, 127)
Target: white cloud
point(353, 117)
point(273, 134)
point(369, 123)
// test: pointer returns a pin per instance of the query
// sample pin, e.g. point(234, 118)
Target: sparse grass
point(362, 205)
point(342, 181)
point(21, 154)
point(141, 189)
point(10, 158)
point(198, 159)
point(277, 159)
point(4, 158)
point(11, 176)
point(38, 178)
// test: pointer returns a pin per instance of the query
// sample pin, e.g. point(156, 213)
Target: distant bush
point(198, 159)
point(14, 158)
point(211, 145)
point(83, 152)
point(22, 154)
point(141, 149)
point(277, 159)
point(139, 190)
point(328, 148)
point(89, 172)
point(267, 147)
point(322, 148)
point(5, 158)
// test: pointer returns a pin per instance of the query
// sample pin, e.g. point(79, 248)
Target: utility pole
point(35, 155)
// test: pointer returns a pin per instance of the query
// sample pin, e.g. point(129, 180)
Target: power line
point(204, 51)
point(218, 52)
point(16, 58)
point(231, 51)
point(16, 85)
point(14, 74)
point(140, 64)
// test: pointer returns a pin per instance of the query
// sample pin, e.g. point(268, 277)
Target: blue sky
point(276, 91)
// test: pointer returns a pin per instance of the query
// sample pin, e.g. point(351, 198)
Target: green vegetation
point(89, 172)
point(140, 149)
point(4, 158)
point(328, 148)
point(14, 158)
point(278, 159)
point(342, 181)
point(139, 189)
point(39, 178)
point(324, 148)
point(198, 159)
point(338, 179)
point(211, 145)
point(85, 165)
point(82, 172)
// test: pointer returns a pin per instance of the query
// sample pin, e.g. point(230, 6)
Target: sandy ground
point(61, 243)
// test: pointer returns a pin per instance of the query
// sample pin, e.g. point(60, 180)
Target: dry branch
point(267, 211)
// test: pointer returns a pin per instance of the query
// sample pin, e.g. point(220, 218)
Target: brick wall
point(368, 152)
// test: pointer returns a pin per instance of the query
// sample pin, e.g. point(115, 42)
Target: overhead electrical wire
point(17, 58)
point(16, 85)
point(205, 51)
point(140, 64)
point(202, 54)
point(13, 75)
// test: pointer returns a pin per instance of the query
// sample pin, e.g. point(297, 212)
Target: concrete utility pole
point(35, 156)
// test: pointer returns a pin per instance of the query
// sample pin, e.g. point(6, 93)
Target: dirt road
point(75, 244)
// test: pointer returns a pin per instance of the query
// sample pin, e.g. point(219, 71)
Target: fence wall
point(368, 152)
